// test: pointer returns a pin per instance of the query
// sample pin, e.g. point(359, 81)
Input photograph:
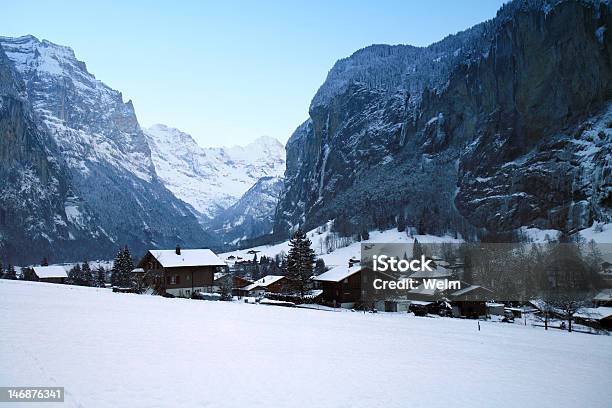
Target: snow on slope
point(127, 350)
point(211, 179)
point(339, 256)
point(90, 122)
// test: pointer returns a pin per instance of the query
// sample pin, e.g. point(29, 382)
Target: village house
point(470, 301)
point(181, 272)
point(603, 298)
point(237, 283)
point(267, 284)
point(50, 274)
point(341, 286)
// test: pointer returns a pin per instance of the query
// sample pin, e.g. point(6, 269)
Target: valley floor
point(119, 350)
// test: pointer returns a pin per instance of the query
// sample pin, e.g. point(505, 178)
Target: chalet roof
point(604, 295)
point(338, 273)
point(220, 275)
point(595, 313)
point(168, 258)
point(468, 289)
point(54, 271)
point(437, 272)
point(264, 282)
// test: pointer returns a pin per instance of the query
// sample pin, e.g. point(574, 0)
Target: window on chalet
point(173, 280)
point(187, 277)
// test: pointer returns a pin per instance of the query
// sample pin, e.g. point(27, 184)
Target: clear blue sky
point(228, 72)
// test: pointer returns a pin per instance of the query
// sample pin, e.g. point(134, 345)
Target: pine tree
point(417, 250)
point(401, 222)
point(300, 260)
point(86, 275)
point(1, 270)
point(100, 276)
point(122, 268)
point(319, 266)
point(75, 275)
point(10, 272)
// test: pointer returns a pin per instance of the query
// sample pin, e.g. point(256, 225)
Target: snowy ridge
point(211, 179)
point(99, 127)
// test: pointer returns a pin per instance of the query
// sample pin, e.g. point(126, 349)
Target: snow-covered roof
point(594, 313)
point(219, 275)
point(468, 289)
point(438, 272)
point(337, 274)
point(137, 270)
point(168, 258)
point(54, 271)
point(264, 282)
point(604, 295)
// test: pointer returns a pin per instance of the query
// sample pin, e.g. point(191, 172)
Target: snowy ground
point(118, 350)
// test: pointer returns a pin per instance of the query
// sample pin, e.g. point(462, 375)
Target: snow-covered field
point(120, 350)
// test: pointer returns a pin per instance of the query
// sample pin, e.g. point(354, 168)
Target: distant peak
point(267, 140)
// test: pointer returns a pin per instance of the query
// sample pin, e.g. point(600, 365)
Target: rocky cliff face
point(115, 194)
point(503, 125)
point(252, 215)
point(211, 179)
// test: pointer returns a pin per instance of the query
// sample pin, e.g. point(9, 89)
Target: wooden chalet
point(341, 286)
point(269, 283)
point(50, 274)
point(470, 301)
point(181, 272)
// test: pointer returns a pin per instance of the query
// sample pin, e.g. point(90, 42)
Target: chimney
point(178, 250)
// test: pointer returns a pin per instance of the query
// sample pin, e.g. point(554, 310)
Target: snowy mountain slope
point(36, 195)
point(211, 179)
point(115, 190)
point(252, 215)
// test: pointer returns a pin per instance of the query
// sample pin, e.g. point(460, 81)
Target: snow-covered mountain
point(110, 190)
point(211, 179)
point(252, 215)
point(503, 125)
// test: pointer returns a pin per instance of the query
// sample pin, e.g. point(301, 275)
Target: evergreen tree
point(319, 266)
point(122, 268)
point(1, 270)
point(75, 275)
point(417, 250)
point(10, 272)
point(100, 277)
point(401, 222)
point(300, 260)
point(365, 235)
point(86, 275)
